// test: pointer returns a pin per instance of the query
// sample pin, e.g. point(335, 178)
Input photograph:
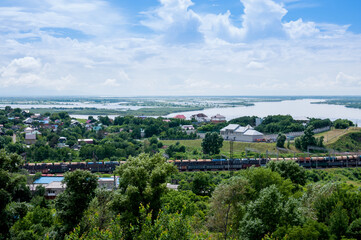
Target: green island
point(349, 102)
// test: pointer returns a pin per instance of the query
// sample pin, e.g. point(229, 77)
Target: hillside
point(350, 142)
point(335, 134)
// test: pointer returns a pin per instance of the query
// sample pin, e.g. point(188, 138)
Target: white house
point(187, 127)
point(200, 117)
point(218, 118)
point(28, 121)
point(238, 133)
point(28, 130)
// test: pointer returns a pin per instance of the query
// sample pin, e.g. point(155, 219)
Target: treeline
point(279, 201)
point(285, 123)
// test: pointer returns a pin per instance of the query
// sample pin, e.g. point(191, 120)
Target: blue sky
point(180, 47)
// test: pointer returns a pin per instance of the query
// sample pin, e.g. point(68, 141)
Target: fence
point(295, 134)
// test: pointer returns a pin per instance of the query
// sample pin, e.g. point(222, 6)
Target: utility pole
point(231, 148)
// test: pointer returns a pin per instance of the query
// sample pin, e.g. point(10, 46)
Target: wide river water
point(298, 109)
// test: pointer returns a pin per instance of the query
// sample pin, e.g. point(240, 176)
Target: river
point(298, 109)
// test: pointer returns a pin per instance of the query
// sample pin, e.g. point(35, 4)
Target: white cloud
point(262, 19)
point(110, 82)
point(176, 22)
point(255, 65)
point(345, 80)
point(260, 56)
point(299, 29)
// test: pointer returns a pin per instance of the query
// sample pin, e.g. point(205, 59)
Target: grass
point(334, 134)
point(239, 148)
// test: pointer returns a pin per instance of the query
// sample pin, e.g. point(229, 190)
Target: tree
point(212, 143)
point(12, 188)
point(339, 221)
point(70, 205)
point(268, 212)
point(225, 211)
point(342, 123)
point(354, 230)
point(281, 139)
point(202, 184)
point(142, 182)
point(34, 225)
point(289, 169)
point(307, 139)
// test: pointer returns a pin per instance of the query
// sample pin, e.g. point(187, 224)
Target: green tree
point(268, 212)
point(307, 139)
point(202, 184)
point(281, 139)
point(34, 225)
point(339, 221)
point(212, 143)
point(354, 230)
point(227, 205)
point(71, 204)
point(142, 182)
point(289, 169)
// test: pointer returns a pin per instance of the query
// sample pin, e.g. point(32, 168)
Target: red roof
point(180, 117)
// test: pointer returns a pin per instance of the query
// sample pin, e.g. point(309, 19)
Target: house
point(36, 115)
point(106, 183)
point(166, 120)
point(200, 117)
point(238, 133)
point(28, 121)
point(62, 142)
point(218, 118)
point(187, 127)
point(97, 128)
point(180, 117)
point(88, 141)
point(30, 138)
point(74, 123)
point(28, 130)
point(53, 189)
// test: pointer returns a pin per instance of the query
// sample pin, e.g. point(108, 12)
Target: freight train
point(199, 165)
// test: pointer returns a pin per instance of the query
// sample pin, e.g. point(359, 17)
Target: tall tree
point(212, 143)
point(281, 139)
point(142, 182)
point(70, 205)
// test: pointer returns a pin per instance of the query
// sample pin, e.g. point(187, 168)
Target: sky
point(180, 47)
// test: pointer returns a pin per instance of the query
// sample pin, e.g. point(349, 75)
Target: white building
point(242, 134)
point(218, 118)
point(200, 117)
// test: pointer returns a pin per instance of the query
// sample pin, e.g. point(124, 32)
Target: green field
point(239, 148)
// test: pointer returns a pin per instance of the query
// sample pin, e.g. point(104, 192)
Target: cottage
point(28, 130)
point(218, 118)
point(187, 127)
point(180, 117)
point(87, 141)
point(53, 189)
point(28, 121)
point(30, 138)
point(200, 117)
point(62, 142)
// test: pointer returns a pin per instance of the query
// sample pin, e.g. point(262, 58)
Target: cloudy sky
point(180, 47)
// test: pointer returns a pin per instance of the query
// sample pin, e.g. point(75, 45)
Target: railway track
point(199, 164)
